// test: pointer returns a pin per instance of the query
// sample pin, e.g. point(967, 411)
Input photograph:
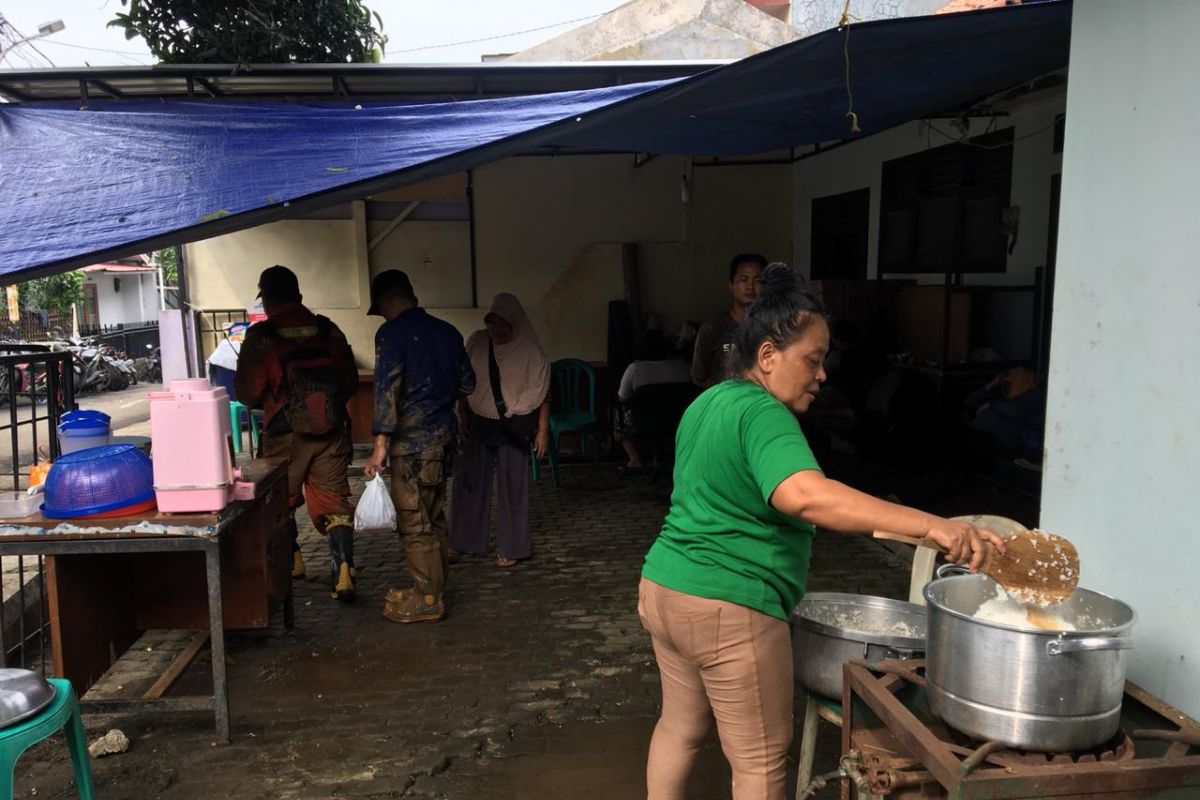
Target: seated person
point(1010, 413)
point(655, 366)
point(852, 369)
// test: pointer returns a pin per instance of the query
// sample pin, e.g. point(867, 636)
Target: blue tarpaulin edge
point(78, 186)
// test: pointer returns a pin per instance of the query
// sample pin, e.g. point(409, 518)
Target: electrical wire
point(57, 43)
point(128, 56)
point(17, 39)
point(492, 38)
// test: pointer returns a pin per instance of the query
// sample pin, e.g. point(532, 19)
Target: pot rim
point(1076, 634)
point(847, 634)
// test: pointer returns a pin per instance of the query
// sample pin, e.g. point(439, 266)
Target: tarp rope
point(844, 24)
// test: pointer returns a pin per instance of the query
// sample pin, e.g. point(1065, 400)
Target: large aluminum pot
point(1028, 688)
point(831, 628)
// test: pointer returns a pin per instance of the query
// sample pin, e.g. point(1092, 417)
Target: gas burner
point(1119, 748)
point(894, 747)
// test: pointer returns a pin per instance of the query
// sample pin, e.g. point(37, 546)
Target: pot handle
point(1087, 644)
point(903, 654)
point(952, 569)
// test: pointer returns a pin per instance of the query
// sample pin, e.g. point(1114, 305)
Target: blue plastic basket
point(98, 480)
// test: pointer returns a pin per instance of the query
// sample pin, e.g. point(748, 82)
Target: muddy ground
point(540, 682)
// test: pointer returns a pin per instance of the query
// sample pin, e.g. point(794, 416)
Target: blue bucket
point(86, 415)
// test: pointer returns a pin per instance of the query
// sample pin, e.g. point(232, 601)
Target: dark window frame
point(839, 241)
point(932, 201)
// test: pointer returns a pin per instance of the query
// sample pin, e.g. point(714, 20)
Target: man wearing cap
point(299, 368)
point(421, 370)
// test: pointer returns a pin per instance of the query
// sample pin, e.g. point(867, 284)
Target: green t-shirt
point(722, 539)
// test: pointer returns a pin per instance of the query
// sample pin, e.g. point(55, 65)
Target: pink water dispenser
point(192, 447)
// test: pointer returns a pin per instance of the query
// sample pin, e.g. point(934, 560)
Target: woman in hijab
point(509, 409)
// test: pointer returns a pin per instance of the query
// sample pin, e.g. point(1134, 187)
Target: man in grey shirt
point(715, 339)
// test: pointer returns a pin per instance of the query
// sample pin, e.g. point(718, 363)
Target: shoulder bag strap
point(494, 376)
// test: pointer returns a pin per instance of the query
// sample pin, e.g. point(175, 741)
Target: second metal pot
point(831, 628)
point(1028, 688)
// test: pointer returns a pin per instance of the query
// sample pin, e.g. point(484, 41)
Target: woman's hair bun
point(779, 279)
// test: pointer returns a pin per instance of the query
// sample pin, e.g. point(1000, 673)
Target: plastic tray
point(18, 505)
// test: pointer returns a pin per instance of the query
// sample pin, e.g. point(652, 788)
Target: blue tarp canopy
point(82, 185)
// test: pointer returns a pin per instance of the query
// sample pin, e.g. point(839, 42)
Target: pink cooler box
point(192, 447)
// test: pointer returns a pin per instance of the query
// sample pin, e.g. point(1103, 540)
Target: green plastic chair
point(236, 410)
point(62, 714)
point(575, 411)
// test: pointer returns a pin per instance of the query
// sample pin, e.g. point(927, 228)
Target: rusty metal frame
point(1175, 770)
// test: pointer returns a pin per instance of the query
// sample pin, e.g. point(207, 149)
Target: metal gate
point(37, 385)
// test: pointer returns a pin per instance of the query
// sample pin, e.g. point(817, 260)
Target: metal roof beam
point(209, 87)
point(395, 223)
point(107, 88)
point(8, 91)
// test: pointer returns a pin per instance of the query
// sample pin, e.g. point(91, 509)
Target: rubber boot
point(297, 559)
point(341, 562)
point(405, 605)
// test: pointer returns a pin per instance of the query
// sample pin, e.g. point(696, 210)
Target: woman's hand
point(541, 442)
point(963, 542)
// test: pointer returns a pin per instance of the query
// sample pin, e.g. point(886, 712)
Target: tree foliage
point(168, 260)
point(52, 293)
point(255, 31)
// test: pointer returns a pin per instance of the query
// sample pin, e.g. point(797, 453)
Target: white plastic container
point(74, 436)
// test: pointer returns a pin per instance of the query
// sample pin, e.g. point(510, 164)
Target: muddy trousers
point(317, 477)
point(471, 506)
point(724, 661)
point(419, 493)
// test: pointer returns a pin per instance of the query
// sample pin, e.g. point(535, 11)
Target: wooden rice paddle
point(1037, 568)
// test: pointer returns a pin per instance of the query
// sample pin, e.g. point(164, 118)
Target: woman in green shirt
point(732, 559)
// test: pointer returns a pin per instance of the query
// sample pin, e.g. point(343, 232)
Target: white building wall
point(1122, 433)
point(814, 16)
point(127, 305)
point(859, 165)
point(109, 302)
point(148, 295)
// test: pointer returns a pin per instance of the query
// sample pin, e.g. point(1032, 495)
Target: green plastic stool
point(62, 714)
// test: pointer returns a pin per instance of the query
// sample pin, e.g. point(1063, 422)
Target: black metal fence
point(38, 386)
point(129, 339)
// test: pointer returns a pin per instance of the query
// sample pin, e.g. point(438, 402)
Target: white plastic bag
point(375, 510)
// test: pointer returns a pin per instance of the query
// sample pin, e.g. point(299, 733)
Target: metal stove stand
point(894, 747)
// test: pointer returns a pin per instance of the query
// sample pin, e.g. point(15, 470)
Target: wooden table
point(109, 580)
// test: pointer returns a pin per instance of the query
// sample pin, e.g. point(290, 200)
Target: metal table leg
point(216, 624)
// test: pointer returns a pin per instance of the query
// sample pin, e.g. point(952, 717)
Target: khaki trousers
point(724, 661)
point(419, 494)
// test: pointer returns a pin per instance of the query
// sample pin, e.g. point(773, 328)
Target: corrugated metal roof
point(333, 81)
